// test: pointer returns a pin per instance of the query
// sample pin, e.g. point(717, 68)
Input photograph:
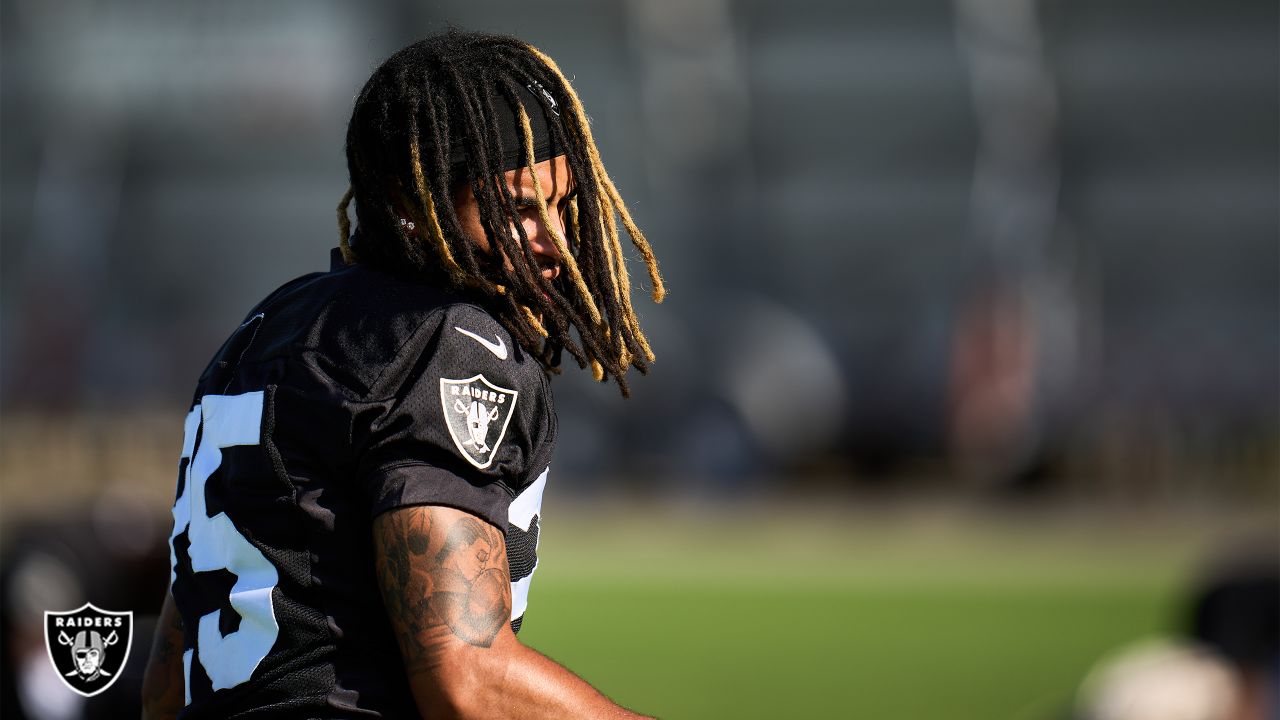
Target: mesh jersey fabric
point(376, 393)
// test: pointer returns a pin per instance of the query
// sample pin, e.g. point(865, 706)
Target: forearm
point(511, 680)
point(163, 695)
point(554, 691)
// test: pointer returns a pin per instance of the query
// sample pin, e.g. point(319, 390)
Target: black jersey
point(343, 395)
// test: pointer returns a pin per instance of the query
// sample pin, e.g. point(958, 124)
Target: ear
point(405, 209)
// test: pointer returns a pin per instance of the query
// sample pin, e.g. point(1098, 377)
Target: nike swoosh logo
point(499, 349)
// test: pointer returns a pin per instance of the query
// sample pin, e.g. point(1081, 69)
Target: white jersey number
point(523, 510)
point(224, 421)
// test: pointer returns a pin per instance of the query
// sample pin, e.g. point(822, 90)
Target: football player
point(357, 512)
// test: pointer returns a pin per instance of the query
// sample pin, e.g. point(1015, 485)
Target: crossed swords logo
point(473, 408)
point(97, 646)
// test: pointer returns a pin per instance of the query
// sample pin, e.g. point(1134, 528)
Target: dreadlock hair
point(438, 95)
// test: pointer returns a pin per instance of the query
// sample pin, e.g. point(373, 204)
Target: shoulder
point(462, 416)
point(451, 338)
point(363, 328)
point(465, 356)
point(370, 321)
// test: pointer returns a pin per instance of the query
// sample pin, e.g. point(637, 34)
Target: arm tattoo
point(169, 641)
point(475, 605)
point(441, 573)
point(163, 687)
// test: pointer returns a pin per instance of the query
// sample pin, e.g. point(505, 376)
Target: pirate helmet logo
point(88, 646)
point(477, 413)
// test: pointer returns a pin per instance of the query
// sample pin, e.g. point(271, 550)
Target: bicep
point(444, 581)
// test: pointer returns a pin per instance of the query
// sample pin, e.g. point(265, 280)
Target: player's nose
point(544, 248)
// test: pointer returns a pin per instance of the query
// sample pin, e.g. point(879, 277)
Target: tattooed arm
point(163, 695)
point(444, 581)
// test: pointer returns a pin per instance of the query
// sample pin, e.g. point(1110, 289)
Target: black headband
point(508, 122)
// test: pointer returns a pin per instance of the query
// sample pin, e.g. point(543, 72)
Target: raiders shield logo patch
point(477, 413)
point(88, 646)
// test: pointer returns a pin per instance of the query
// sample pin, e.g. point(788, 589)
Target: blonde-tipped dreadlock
point(540, 198)
point(429, 210)
point(344, 227)
point(641, 243)
point(425, 126)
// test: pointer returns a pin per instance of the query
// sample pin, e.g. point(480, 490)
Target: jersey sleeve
point(465, 420)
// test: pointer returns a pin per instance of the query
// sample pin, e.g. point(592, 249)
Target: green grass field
point(851, 615)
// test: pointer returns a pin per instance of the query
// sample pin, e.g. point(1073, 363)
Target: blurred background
point(968, 378)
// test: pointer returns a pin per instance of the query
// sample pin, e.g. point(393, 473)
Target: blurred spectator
point(1161, 680)
point(1237, 613)
point(1228, 668)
